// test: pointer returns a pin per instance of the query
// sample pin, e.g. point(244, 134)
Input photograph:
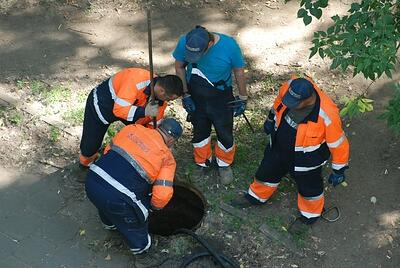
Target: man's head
point(301, 93)
point(171, 130)
point(168, 87)
point(198, 41)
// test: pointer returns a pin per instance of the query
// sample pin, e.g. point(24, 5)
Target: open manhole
point(185, 210)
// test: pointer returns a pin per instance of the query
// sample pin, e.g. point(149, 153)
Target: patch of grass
point(74, 116)
point(287, 185)
point(21, 84)
point(268, 82)
point(234, 223)
point(112, 130)
point(179, 246)
point(58, 94)
point(54, 134)
point(277, 223)
point(301, 236)
point(15, 117)
point(37, 88)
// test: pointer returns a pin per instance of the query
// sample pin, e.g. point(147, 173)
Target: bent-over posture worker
point(204, 61)
point(136, 163)
point(125, 97)
point(305, 130)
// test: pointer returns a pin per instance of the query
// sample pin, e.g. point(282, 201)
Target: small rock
point(108, 257)
point(373, 200)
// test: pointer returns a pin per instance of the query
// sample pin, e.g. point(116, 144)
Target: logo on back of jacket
point(135, 139)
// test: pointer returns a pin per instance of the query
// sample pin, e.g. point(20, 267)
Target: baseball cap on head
point(171, 127)
point(299, 90)
point(196, 43)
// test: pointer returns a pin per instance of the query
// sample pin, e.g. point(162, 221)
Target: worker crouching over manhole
point(138, 162)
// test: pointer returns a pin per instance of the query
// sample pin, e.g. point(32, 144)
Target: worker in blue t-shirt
point(204, 61)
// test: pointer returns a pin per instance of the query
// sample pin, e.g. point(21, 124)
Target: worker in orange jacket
point(305, 130)
point(134, 176)
point(124, 97)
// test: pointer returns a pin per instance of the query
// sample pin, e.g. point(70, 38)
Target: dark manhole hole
point(185, 210)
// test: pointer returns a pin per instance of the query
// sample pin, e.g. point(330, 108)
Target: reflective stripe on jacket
point(145, 150)
point(127, 89)
point(319, 136)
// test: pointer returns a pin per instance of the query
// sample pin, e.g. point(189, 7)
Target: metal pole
point(150, 42)
point(248, 122)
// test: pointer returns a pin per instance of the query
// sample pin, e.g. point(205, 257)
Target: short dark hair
point(172, 84)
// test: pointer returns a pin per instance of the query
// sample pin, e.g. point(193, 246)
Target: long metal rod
point(150, 44)
point(248, 122)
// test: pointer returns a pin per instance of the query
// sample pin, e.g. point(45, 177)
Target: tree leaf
point(321, 53)
point(316, 12)
point(388, 73)
point(307, 20)
point(301, 13)
point(322, 3)
point(314, 51)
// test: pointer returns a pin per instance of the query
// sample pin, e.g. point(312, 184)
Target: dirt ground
point(67, 47)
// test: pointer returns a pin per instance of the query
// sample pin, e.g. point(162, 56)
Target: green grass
point(287, 185)
point(74, 116)
point(15, 117)
point(54, 134)
point(234, 223)
point(58, 94)
point(49, 94)
point(37, 88)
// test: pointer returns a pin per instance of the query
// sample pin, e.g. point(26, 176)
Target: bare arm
point(181, 72)
point(241, 81)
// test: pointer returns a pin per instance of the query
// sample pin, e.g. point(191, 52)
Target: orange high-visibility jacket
point(320, 135)
point(127, 90)
point(146, 151)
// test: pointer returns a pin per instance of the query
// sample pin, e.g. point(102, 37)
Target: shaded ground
point(54, 52)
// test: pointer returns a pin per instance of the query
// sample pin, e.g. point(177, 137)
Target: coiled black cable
point(223, 260)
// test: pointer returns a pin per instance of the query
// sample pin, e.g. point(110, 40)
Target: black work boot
point(79, 172)
point(150, 258)
point(301, 225)
point(245, 201)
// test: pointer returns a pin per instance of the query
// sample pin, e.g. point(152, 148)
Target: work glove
point(188, 104)
point(336, 178)
point(238, 105)
point(269, 126)
point(151, 109)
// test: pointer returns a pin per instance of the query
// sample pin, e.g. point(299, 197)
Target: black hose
point(191, 258)
point(221, 259)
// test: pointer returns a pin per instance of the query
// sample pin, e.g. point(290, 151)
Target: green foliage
point(15, 117)
point(311, 8)
point(74, 116)
point(367, 39)
point(57, 94)
point(392, 113)
point(356, 106)
point(54, 134)
point(37, 87)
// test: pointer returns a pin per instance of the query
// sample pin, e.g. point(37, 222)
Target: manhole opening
point(185, 210)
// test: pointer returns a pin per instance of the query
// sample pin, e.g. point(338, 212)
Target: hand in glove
point(151, 109)
point(188, 104)
point(336, 178)
point(238, 105)
point(269, 126)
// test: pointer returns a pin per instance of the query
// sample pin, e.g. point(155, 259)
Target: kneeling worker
point(137, 162)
